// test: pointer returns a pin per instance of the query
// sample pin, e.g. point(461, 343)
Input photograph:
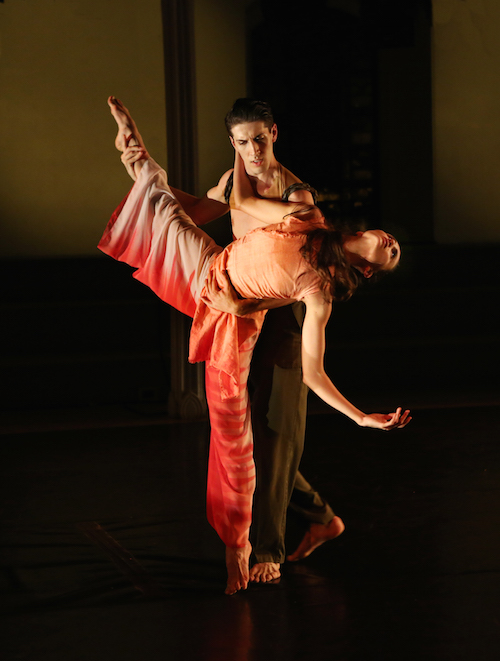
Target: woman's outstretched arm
point(314, 375)
point(264, 209)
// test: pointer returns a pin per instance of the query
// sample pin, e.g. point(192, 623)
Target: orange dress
point(265, 263)
point(151, 232)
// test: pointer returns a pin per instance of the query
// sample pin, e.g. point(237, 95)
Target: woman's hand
point(131, 155)
point(386, 422)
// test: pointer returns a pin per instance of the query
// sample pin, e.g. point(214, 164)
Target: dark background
point(351, 92)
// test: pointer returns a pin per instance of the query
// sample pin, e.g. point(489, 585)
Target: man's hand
point(223, 296)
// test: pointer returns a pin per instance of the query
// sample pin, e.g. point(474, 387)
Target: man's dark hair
point(249, 110)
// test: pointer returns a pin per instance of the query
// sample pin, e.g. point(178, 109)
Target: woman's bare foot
point(317, 534)
point(264, 572)
point(128, 140)
point(128, 135)
point(237, 560)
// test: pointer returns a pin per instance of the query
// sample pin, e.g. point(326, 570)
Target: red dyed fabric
point(151, 232)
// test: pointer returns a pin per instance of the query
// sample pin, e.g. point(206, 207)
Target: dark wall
point(351, 91)
point(80, 332)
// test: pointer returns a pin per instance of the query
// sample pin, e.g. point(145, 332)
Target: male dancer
point(279, 399)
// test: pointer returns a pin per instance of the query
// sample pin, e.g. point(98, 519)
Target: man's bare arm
point(200, 209)
point(267, 210)
point(207, 208)
point(303, 196)
point(220, 295)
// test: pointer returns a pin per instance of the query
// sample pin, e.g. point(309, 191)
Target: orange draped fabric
point(151, 232)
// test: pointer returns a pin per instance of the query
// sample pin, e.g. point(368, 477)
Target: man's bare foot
point(317, 534)
point(263, 572)
point(128, 135)
point(237, 560)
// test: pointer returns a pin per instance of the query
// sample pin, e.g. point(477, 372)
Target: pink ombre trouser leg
point(231, 469)
point(151, 232)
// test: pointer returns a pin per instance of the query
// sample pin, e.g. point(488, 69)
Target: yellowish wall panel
point(220, 79)
point(60, 59)
point(466, 109)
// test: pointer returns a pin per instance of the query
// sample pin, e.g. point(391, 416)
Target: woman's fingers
point(405, 419)
point(133, 154)
point(396, 420)
point(130, 151)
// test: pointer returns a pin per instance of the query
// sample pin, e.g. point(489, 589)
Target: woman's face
point(380, 249)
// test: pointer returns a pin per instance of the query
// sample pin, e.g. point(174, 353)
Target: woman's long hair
point(322, 250)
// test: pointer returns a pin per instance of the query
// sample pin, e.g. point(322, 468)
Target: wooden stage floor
point(107, 554)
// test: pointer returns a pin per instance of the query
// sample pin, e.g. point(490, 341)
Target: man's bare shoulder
point(288, 177)
point(219, 190)
point(301, 194)
point(224, 179)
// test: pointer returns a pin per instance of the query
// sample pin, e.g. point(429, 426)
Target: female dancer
point(294, 258)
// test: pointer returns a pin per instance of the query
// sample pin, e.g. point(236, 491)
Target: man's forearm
point(246, 306)
point(200, 209)
point(187, 200)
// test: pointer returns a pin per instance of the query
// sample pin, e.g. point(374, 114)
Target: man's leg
point(279, 407)
point(279, 410)
point(323, 524)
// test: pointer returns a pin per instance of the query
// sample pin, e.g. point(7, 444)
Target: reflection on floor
point(107, 553)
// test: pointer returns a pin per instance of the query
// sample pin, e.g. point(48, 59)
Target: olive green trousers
point(279, 410)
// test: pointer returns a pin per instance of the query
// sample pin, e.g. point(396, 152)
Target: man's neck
point(268, 177)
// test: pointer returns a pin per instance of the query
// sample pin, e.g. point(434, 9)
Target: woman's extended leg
point(231, 470)
point(151, 232)
point(128, 139)
point(128, 133)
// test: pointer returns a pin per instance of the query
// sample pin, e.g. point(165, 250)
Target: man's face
point(254, 143)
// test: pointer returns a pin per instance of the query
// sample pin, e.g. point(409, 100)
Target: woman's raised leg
point(150, 230)
point(128, 140)
point(128, 134)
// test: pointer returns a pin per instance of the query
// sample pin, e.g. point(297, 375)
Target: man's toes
point(270, 575)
